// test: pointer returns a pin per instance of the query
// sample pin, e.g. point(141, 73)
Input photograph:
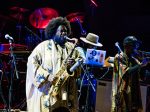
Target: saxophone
point(62, 75)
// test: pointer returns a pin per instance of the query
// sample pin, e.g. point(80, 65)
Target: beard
point(60, 40)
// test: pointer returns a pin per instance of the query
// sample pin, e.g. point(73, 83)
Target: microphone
point(117, 45)
point(79, 62)
point(8, 37)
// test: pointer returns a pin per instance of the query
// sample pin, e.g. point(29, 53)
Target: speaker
point(145, 94)
point(103, 96)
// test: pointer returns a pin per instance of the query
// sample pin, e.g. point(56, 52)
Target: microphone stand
point(86, 74)
point(117, 99)
point(13, 70)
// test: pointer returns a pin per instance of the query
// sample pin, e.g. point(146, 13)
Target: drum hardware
point(32, 33)
point(77, 17)
point(1, 91)
point(41, 34)
point(20, 53)
point(18, 14)
point(32, 39)
point(16, 47)
point(41, 17)
point(83, 32)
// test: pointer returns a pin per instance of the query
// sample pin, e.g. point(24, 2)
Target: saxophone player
point(47, 62)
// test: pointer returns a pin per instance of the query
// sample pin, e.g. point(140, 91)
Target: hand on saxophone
point(51, 78)
point(70, 63)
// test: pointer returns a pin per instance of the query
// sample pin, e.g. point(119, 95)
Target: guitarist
point(128, 64)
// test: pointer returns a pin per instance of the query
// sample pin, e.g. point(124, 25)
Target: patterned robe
point(126, 96)
point(43, 64)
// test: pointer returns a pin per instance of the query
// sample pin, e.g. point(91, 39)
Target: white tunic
point(43, 64)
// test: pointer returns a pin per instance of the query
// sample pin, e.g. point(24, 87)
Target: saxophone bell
point(78, 63)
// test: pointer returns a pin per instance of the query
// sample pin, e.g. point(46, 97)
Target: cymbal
point(18, 13)
point(19, 9)
point(6, 18)
point(16, 47)
point(17, 16)
point(16, 52)
point(73, 17)
point(41, 17)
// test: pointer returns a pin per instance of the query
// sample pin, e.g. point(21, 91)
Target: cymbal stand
point(33, 33)
point(13, 70)
point(31, 42)
point(41, 33)
point(19, 27)
point(87, 75)
point(1, 91)
point(83, 32)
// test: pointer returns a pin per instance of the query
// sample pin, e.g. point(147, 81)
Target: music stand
point(94, 58)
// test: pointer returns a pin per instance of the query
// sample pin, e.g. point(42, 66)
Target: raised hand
point(145, 61)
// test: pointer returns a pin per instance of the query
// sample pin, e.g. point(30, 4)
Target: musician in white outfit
point(44, 63)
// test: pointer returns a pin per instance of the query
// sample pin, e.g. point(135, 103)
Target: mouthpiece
point(74, 40)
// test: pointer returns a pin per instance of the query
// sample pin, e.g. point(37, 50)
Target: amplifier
point(103, 96)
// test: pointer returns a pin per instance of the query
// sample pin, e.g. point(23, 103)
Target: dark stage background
point(112, 20)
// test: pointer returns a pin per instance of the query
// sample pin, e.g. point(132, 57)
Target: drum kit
point(37, 20)
point(12, 73)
